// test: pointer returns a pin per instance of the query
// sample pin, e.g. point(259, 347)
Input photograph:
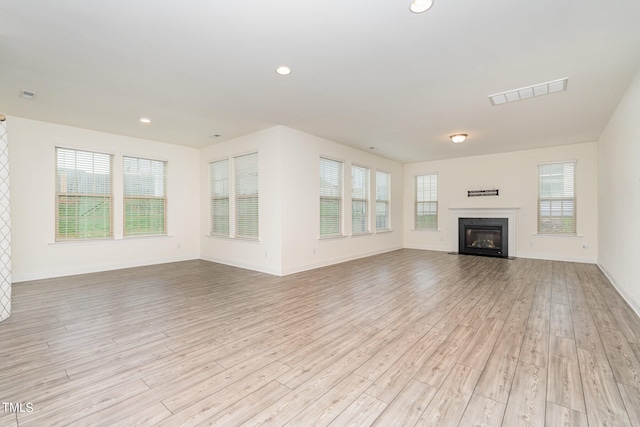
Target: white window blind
point(219, 174)
point(145, 201)
point(557, 200)
point(426, 215)
point(83, 195)
point(359, 199)
point(330, 197)
point(383, 196)
point(246, 194)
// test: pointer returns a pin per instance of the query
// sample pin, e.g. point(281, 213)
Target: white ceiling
point(365, 72)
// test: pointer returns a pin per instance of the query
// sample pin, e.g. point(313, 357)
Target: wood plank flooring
point(407, 338)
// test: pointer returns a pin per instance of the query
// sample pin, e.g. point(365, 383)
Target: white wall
point(515, 175)
point(32, 160)
point(302, 247)
point(265, 254)
point(289, 204)
point(619, 196)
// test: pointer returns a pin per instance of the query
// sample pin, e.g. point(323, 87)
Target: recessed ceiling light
point(145, 120)
point(529, 92)
point(419, 6)
point(458, 138)
point(215, 136)
point(283, 70)
point(27, 94)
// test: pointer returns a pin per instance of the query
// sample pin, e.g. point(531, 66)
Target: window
point(246, 192)
point(330, 197)
point(83, 195)
point(359, 199)
point(383, 193)
point(556, 200)
point(219, 173)
point(427, 201)
point(145, 202)
point(234, 197)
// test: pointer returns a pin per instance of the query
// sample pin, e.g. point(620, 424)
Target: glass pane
point(427, 215)
point(220, 216)
point(329, 217)
point(359, 216)
point(247, 214)
point(382, 215)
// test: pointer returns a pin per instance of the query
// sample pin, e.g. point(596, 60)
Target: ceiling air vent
point(529, 92)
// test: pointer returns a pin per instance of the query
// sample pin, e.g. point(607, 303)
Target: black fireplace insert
point(483, 236)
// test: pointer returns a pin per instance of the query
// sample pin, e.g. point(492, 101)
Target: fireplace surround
point(483, 236)
point(508, 212)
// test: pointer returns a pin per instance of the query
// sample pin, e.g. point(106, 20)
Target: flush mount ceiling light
point(458, 138)
point(145, 120)
point(283, 70)
point(27, 94)
point(419, 6)
point(540, 89)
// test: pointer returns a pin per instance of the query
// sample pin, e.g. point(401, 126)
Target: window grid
point(84, 196)
point(426, 213)
point(331, 172)
point(359, 199)
point(556, 198)
point(145, 201)
point(383, 186)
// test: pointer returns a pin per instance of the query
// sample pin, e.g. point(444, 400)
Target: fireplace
point(483, 236)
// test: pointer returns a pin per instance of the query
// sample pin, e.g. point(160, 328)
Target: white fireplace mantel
point(490, 212)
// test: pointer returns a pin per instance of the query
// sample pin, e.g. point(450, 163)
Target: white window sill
point(146, 236)
point(562, 235)
point(109, 240)
point(384, 230)
point(432, 230)
point(366, 233)
point(236, 239)
point(336, 237)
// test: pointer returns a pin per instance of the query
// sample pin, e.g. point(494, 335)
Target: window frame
point(242, 184)
point(162, 198)
point(428, 201)
point(232, 184)
point(331, 198)
point(225, 216)
point(363, 200)
point(385, 201)
point(565, 201)
point(107, 196)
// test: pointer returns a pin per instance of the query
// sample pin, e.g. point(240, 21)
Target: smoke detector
point(27, 94)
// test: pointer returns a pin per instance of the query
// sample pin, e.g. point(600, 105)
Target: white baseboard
point(583, 260)
point(40, 275)
point(633, 303)
point(327, 263)
point(430, 248)
point(246, 266)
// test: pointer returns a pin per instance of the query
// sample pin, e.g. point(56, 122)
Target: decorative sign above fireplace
point(476, 193)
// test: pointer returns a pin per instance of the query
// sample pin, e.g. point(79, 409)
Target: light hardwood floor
point(400, 339)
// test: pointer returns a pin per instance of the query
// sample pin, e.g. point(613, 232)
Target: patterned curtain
point(5, 225)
